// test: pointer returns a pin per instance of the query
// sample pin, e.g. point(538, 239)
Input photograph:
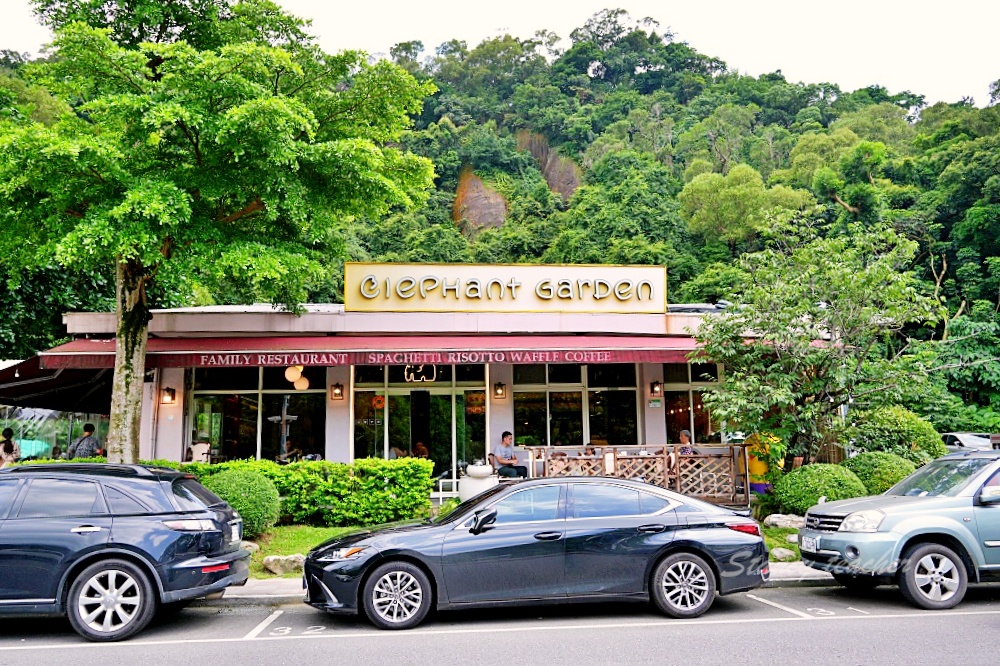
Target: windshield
point(940, 478)
point(462, 508)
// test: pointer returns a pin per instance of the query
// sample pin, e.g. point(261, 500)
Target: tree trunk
point(132, 321)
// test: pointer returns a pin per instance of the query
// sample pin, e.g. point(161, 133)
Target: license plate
point(809, 544)
point(236, 534)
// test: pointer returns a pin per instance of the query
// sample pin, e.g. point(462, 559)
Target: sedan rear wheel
point(933, 577)
point(683, 585)
point(110, 601)
point(397, 596)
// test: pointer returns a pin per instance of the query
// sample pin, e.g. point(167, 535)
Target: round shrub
point(879, 471)
point(801, 488)
point(249, 492)
point(897, 430)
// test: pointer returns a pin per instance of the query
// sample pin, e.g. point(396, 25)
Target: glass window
point(677, 410)
point(228, 424)
point(369, 374)
point(565, 373)
point(529, 374)
point(7, 489)
point(566, 418)
point(675, 373)
point(470, 374)
point(294, 426)
point(704, 372)
point(611, 375)
point(530, 419)
point(226, 379)
point(192, 496)
point(470, 425)
point(649, 503)
point(53, 498)
point(122, 504)
point(600, 501)
point(274, 378)
point(613, 418)
point(369, 424)
point(529, 505)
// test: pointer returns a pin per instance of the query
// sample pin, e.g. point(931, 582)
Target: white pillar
point(654, 422)
point(169, 442)
point(501, 410)
point(339, 446)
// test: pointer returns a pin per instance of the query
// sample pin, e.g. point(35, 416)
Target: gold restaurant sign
point(504, 288)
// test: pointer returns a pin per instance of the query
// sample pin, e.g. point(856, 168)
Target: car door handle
point(86, 529)
point(652, 528)
point(548, 536)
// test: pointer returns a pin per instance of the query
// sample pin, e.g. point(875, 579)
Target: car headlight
point(862, 521)
point(338, 554)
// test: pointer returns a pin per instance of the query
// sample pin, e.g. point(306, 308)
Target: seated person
point(589, 451)
point(506, 459)
point(396, 452)
point(420, 451)
point(686, 448)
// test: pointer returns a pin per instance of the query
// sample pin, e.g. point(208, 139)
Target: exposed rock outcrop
point(561, 173)
point(476, 203)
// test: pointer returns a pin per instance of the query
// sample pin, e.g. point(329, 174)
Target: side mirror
point(484, 521)
point(990, 495)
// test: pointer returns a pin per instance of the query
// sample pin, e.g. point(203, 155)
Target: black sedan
point(551, 540)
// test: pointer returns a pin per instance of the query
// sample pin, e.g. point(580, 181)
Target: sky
point(943, 50)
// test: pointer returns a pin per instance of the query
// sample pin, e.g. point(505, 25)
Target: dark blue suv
point(109, 545)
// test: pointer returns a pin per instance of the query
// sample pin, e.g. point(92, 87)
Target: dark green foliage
point(251, 494)
point(878, 470)
point(897, 430)
point(800, 489)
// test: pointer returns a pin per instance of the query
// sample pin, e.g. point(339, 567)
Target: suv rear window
point(192, 496)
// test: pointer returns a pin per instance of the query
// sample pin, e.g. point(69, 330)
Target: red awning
point(66, 388)
point(378, 350)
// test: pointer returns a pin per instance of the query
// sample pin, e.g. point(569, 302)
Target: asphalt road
point(808, 626)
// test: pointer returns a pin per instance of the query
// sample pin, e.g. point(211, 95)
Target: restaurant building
point(422, 359)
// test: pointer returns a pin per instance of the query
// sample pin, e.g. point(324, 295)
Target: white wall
point(501, 411)
point(655, 431)
point(339, 433)
point(167, 424)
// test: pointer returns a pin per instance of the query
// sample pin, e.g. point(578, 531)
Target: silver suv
point(931, 533)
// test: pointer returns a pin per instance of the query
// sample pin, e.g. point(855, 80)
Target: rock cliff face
point(476, 204)
point(561, 173)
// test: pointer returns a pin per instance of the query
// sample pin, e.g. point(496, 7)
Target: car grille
point(823, 523)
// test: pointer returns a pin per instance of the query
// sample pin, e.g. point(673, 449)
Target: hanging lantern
point(293, 373)
point(301, 384)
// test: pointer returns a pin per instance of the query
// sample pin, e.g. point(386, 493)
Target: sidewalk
point(289, 590)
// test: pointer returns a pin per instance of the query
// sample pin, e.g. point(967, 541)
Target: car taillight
point(191, 525)
point(746, 528)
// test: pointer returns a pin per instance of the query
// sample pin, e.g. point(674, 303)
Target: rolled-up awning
point(378, 350)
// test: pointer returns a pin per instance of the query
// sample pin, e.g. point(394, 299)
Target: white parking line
point(934, 616)
point(806, 616)
point(263, 625)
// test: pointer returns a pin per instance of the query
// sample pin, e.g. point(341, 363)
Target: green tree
point(237, 160)
point(818, 326)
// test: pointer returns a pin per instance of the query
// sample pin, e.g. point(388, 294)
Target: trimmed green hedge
point(801, 488)
point(878, 470)
point(368, 492)
point(251, 493)
point(897, 430)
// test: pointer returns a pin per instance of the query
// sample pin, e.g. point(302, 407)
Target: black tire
point(933, 577)
point(683, 585)
point(397, 595)
point(110, 600)
point(858, 583)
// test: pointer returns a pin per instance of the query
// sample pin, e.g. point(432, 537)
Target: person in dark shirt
point(85, 446)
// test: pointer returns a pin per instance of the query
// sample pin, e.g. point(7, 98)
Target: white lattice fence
point(652, 469)
point(707, 476)
point(570, 466)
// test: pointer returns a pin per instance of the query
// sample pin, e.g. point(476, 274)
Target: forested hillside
point(631, 147)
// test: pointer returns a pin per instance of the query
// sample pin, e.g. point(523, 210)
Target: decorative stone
point(282, 564)
point(792, 538)
point(785, 520)
point(250, 546)
point(783, 555)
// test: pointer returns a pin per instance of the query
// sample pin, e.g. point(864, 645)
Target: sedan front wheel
point(397, 596)
point(683, 585)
